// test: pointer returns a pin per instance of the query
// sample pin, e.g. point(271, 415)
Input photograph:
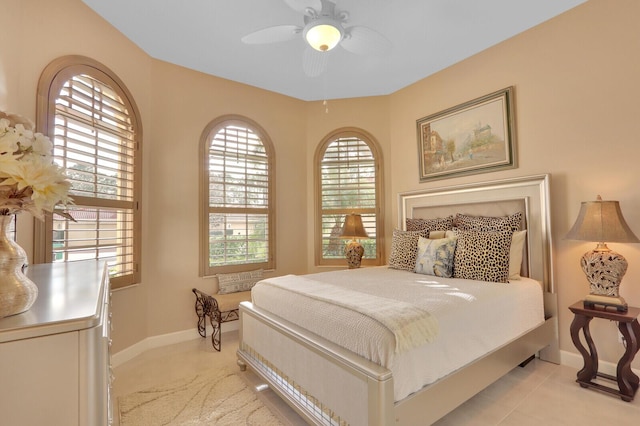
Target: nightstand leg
point(627, 379)
point(590, 370)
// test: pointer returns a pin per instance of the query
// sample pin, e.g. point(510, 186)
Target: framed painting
point(475, 137)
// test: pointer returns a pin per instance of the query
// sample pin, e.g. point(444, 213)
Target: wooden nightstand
point(630, 329)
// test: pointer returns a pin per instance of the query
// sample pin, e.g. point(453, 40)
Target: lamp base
point(616, 302)
point(604, 269)
point(354, 252)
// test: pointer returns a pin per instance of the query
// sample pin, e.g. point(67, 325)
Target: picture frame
point(477, 136)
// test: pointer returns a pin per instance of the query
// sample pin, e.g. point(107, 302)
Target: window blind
point(348, 184)
point(94, 141)
point(239, 190)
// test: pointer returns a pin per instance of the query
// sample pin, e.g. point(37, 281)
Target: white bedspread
point(409, 325)
point(473, 317)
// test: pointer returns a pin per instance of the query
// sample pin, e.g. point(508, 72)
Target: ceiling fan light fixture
point(323, 34)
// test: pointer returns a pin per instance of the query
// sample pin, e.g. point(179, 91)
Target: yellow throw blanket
point(411, 326)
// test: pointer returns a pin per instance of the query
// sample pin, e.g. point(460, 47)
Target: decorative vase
point(17, 292)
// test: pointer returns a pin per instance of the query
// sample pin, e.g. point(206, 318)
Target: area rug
point(213, 397)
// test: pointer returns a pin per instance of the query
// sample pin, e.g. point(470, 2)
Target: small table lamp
point(353, 229)
point(602, 221)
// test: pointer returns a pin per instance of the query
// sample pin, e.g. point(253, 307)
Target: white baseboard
point(152, 342)
point(574, 360)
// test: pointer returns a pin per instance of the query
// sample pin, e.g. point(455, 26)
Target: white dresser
point(54, 358)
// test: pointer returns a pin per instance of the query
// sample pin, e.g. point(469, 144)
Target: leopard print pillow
point(482, 256)
point(488, 223)
point(404, 248)
point(435, 224)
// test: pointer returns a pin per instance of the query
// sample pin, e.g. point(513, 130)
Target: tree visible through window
point(238, 197)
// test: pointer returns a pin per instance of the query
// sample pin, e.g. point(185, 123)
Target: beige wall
point(576, 92)
point(184, 102)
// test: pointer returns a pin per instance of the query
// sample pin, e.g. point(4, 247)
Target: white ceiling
point(426, 36)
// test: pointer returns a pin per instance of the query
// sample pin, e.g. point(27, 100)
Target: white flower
point(29, 180)
point(42, 145)
point(8, 140)
point(25, 137)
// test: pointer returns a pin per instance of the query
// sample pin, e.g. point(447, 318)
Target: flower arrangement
point(29, 179)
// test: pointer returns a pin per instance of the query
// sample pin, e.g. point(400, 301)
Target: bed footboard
point(332, 385)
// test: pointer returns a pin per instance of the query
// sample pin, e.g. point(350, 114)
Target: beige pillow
point(436, 235)
point(515, 254)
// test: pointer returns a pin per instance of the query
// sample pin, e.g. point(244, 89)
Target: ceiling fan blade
point(302, 5)
point(365, 41)
point(314, 63)
point(272, 34)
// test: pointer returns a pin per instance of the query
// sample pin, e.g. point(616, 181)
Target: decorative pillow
point(435, 235)
point(482, 256)
point(239, 281)
point(404, 248)
point(435, 224)
point(515, 254)
point(488, 223)
point(435, 257)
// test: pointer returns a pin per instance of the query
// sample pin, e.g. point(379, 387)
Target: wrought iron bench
point(218, 308)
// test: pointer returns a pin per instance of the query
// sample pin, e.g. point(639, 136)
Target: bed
point(332, 377)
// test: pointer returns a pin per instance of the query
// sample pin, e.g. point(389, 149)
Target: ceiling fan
point(324, 29)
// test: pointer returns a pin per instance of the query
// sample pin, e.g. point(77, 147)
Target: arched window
point(348, 169)
point(94, 124)
point(237, 197)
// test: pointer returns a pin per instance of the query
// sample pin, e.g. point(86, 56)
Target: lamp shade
point(353, 227)
point(323, 34)
point(601, 221)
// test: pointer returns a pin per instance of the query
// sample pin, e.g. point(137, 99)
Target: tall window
point(348, 170)
point(238, 215)
point(90, 116)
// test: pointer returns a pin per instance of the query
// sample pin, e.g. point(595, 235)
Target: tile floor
point(540, 393)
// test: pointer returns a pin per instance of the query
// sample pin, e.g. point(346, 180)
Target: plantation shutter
point(348, 184)
point(239, 201)
point(95, 142)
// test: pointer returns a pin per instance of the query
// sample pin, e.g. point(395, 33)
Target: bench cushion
point(228, 302)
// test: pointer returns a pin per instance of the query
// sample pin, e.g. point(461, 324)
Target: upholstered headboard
point(529, 195)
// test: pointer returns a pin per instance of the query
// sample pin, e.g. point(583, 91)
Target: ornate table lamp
point(602, 221)
point(353, 229)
